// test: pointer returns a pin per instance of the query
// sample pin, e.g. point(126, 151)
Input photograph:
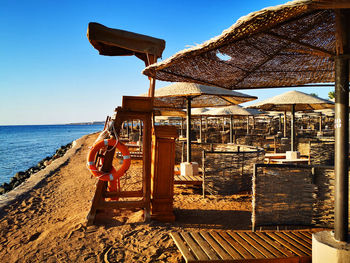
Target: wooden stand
point(133, 108)
point(162, 177)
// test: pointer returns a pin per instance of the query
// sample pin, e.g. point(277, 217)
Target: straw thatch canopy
point(116, 42)
point(176, 95)
point(169, 112)
point(199, 111)
point(287, 45)
point(233, 110)
point(300, 100)
point(255, 111)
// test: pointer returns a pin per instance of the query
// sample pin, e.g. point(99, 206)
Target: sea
point(23, 146)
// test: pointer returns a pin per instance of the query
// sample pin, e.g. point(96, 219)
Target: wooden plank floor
point(189, 180)
point(244, 246)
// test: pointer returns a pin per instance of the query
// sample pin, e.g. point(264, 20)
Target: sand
point(47, 222)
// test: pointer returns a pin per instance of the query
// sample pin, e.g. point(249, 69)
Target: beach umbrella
point(293, 101)
point(187, 95)
point(231, 111)
point(302, 42)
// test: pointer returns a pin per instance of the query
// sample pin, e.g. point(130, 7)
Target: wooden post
point(200, 128)
point(147, 142)
point(247, 124)
point(223, 124)
point(280, 122)
point(203, 173)
point(140, 132)
point(231, 129)
point(285, 125)
point(292, 130)
point(163, 160)
point(188, 132)
point(152, 82)
point(182, 126)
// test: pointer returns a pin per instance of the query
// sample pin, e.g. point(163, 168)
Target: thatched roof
point(199, 111)
point(302, 101)
point(287, 45)
point(175, 96)
point(228, 111)
point(116, 42)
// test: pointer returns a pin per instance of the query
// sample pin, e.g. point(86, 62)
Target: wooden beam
point(317, 50)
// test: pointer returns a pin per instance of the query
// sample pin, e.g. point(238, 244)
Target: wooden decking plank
point(301, 236)
point(246, 245)
point(266, 245)
point(190, 180)
point(237, 246)
point(256, 245)
point(274, 244)
point(182, 247)
point(178, 178)
point(306, 233)
point(197, 251)
point(286, 244)
point(293, 236)
point(209, 251)
point(226, 246)
point(294, 242)
point(223, 255)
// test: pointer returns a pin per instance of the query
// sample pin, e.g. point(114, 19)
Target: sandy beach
point(48, 222)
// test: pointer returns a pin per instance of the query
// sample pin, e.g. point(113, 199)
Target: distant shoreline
point(73, 123)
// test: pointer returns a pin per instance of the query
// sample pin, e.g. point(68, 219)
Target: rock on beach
point(21, 176)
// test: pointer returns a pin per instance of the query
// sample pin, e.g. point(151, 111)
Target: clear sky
point(49, 72)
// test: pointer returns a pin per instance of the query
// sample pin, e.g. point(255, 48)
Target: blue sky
point(49, 72)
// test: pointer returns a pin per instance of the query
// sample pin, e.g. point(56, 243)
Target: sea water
point(22, 147)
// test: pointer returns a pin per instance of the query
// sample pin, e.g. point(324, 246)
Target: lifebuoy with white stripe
point(114, 174)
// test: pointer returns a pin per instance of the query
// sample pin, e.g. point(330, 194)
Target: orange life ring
point(114, 174)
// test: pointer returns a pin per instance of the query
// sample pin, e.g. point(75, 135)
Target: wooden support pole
point(279, 122)
point(292, 129)
point(231, 128)
point(188, 133)
point(285, 125)
point(200, 128)
point(247, 124)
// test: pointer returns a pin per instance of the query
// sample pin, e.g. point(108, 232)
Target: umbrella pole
point(341, 125)
point(182, 126)
point(292, 133)
point(188, 132)
point(223, 124)
point(231, 129)
point(279, 122)
point(247, 124)
point(285, 124)
point(200, 128)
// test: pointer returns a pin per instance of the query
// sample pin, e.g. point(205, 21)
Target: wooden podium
point(162, 173)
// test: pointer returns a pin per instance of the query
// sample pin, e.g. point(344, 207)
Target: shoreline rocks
point(21, 176)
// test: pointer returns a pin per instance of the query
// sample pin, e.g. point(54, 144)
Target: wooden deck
point(189, 180)
point(244, 246)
